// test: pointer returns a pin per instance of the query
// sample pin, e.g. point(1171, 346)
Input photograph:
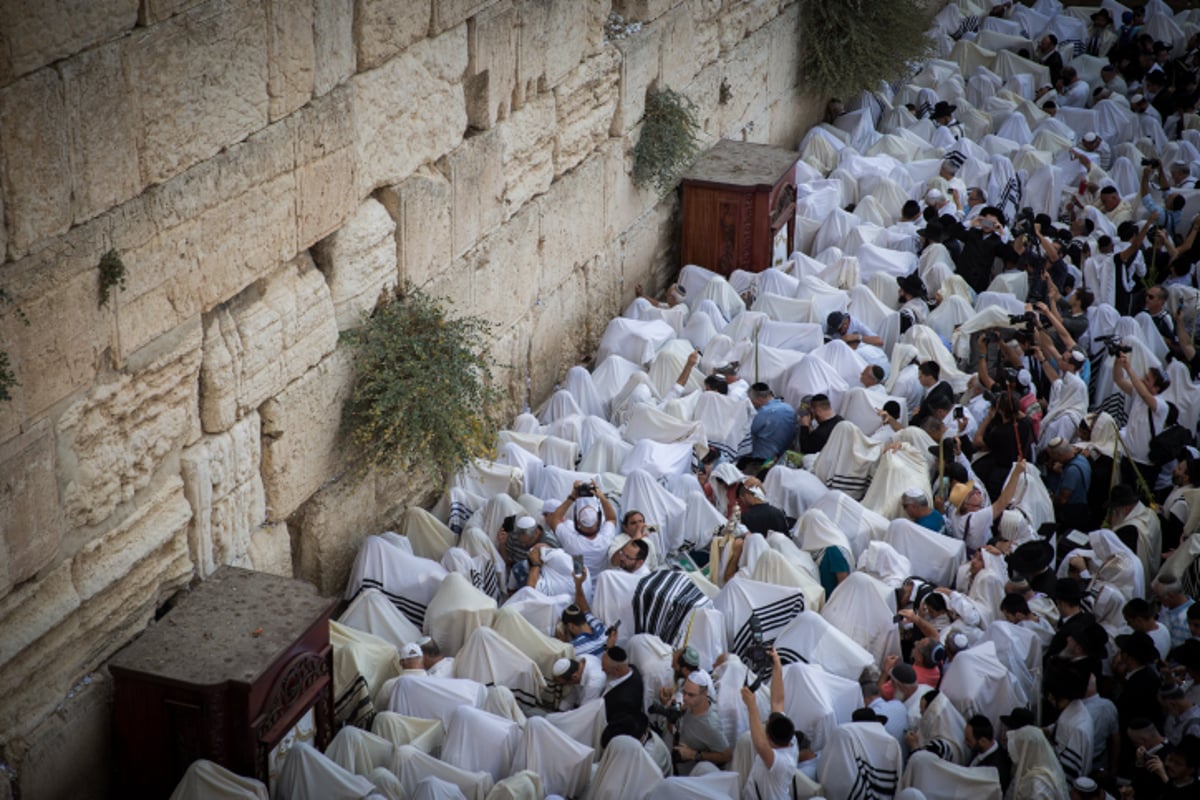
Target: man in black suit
point(1073, 619)
point(1133, 665)
point(625, 693)
point(986, 751)
point(929, 375)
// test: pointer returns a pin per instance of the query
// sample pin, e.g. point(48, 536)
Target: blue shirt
point(590, 643)
point(772, 430)
point(934, 521)
point(1170, 220)
point(1076, 477)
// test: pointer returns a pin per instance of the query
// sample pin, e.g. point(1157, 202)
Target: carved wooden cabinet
point(241, 664)
point(737, 198)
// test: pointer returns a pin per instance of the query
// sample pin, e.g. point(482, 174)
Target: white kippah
point(1090, 137)
point(411, 650)
point(701, 679)
point(561, 667)
point(933, 195)
point(914, 494)
point(588, 516)
point(524, 523)
point(959, 640)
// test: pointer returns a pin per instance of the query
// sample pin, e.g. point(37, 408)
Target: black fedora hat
point(943, 109)
point(1031, 557)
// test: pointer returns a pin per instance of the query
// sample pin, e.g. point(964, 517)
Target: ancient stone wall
point(264, 168)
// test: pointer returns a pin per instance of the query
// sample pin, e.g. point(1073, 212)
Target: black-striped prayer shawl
point(662, 601)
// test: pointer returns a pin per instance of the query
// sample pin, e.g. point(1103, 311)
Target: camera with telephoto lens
point(586, 490)
point(1153, 163)
point(672, 713)
point(1023, 225)
point(757, 657)
point(1114, 345)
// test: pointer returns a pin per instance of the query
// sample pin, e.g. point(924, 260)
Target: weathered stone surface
point(558, 333)
point(300, 434)
point(477, 183)
point(448, 13)
point(359, 262)
point(35, 145)
point(35, 608)
point(624, 202)
point(528, 158)
point(383, 28)
point(329, 529)
point(327, 168)
point(508, 269)
point(291, 56)
point(102, 119)
point(783, 64)
point(224, 489)
point(77, 733)
point(202, 81)
point(333, 43)
point(34, 34)
point(739, 20)
point(585, 103)
point(688, 44)
point(573, 224)
point(112, 442)
point(157, 10)
point(566, 38)
point(271, 550)
point(492, 38)
point(421, 207)
point(641, 62)
point(31, 521)
point(419, 93)
point(643, 10)
point(263, 339)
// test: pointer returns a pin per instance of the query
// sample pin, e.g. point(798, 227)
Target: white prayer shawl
point(424, 734)
point(765, 364)
point(372, 612)
point(647, 422)
point(524, 785)
point(812, 376)
point(726, 422)
point(668, 364)
point(1003, 300)
point(659, 507)
point(308, 774)
point(490, 659)
point(1036, 772)
point(481, 572)
point(533, 640)
point(861, 762)
point(456, 610)
point(362, 664)
point(1149, 529)
point(785, 309)
point(563, 763)
point(714, 786)
point(477, 741)
point(818, 701)
point(1068, 405)
point(359, 751)
point(561, 404)
point(658, 460)
point(879, 260)
point(724, 296)
point(409, 581)
point(897, 471)
point(884, 562)
point(798, 558)
point(934, 556)
point(693, 278)
point(1116, 565)
point(433, 788)
point(862, 608)
point(521, 457)
point(792, 490)
point(1032, 498)
point(605, 454)
point(626, 772)
point(611, 375)
point(942, 726)
point(700, 330)
point(930, 347)
point(701, 520)
point(583, 388)
point(482, 478)
point(803, 337)
point(774, 606)
point(206, 780)
point(814, 532)
point(859, 523)
point(847, 460)
point(938, 779)
point(1020, 651)
point(810, 637)
point(652, 656)
point(951, 313)
point(413, 766)
point(613, 598)
point(773, 567)
point(634, 340)
point(903, 356)
point(434, 698)
point(774, 279)
point(977, 682)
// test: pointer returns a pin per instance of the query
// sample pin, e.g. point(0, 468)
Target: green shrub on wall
point(8, 378)
point(668, 141)
point(422, 395)
point(851, 45)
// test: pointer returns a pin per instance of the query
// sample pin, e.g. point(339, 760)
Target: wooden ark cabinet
point(736, 198)
point(226, 675)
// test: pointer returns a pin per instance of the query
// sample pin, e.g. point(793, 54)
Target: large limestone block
point(157, 10)
point(263, 339)
point(359, 262)
point(31, 520)
point(646, 247)
point(223, 486)
point(383, 28)
point(78, 734)
point(126, 578)
point(783, 65)
point(448, 13)
point(34, 609)
point(113, 441)
point(36, 34)
point(528, 158)
point(585, 101)
point(271, 550)
point(492, 38)
point(421, 206)
point(333, 43)
point(559, 334)
point(640, 67)
point(34, 152)
point(566, 38)
point(291, 56)
point(209, 259)
point(508, 269)
point(643, 10)
point(477, 182)
point(329, 530)
point(605, 278)
point(624, 202)
point(103, 122)
point(573, 219)
point(739, 20)
point(326, 165)
point(300, 434)
point(202, 79)
point(411, 110)
point(688, 44)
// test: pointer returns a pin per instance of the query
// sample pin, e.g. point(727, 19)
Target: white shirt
point(1136, 433)
point(896, 713)
point(1076, 95)
point(774, 783)
point(593, 549)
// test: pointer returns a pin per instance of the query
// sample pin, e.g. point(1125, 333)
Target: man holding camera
point(699, 737)
point(586, 535)
point(775, 748)
point(1147, 416)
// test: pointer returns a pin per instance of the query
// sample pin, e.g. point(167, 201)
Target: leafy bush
point(112, 275)
point(849, 46)
point(668, 142)
point(422, 396)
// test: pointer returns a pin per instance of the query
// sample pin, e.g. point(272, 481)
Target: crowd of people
point(910, 513)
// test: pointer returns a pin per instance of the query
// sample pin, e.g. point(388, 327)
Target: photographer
point(1170, 211)
point(1147, 416)
point(775, 749)
point(585, 534)
point(1006, 437)
point(982, 242)
point(698, 735)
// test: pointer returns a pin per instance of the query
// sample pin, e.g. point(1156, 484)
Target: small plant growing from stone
point(8, 378)
point(668, 142)
point(853, 45)
point(423, 396)
point(112, 274)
